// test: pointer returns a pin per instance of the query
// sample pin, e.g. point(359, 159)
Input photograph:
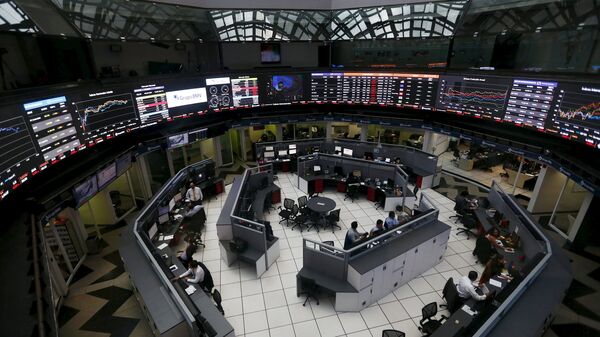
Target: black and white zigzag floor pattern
point(451, 187)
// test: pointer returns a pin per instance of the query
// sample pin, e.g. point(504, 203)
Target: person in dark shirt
point(391, 221)
point(378, 229)
point(462, 205)
point(353, 236)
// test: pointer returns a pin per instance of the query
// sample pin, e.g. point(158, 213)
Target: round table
point(320, 205)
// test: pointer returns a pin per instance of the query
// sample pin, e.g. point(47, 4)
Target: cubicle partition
point(168, 307)
point(372, 269)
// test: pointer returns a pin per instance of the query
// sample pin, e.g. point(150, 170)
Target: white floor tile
point(278, 317)
point(300, 313)
point(287, 330)
point(352, 322)
point(255, 321)
point(253, 303)
point(373, 316)
point(394, 312)
point(307, 329)
point(330, 326)
point(274, 299)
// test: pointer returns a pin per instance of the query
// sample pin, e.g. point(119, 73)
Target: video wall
point(41, 131)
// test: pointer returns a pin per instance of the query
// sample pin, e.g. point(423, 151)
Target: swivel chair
point(450, 294)
point(428, 324)
point(216, 295)
point(392, 333)
point(302, 201)
point(351, 192)
point(301, 218)
point(286, 212)
point(332, 219)
point(310, 289)
point(469, 222)
point(483, 249)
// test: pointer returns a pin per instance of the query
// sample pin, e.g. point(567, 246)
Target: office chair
point(450, 294)
point(286, 212)
point(216, 295)
point(302, 201)
point(351, 192)
point(332, 219)
point(458, 215)
point(310, 289)
point(392, 333)
point(301, 219)
point(380, 203)
point(456, 155)
point(314, 218)
point(483, 249)
point(428, 324)
point(469, 222)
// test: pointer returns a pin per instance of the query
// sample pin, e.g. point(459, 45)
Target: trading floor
point(101, 302)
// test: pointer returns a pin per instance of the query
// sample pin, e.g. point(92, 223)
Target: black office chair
point(216, 295)
point(380, 202)
point(392, 333)
point(302, 201)
point(428, 324)
point(332, 219)
point(351, 192)
point(301, 219)
point(450, 294)
point(314, 218)
point(310, 289)
point(286, 212)
point(483, 249)
point(458, 215)
point(469, 223)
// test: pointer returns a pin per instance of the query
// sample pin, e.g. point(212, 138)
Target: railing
point(36, 278)
point(533, 274)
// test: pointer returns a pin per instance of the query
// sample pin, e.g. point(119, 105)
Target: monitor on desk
point(348, 152)
point(269, 148)
point(171, 204)
point(388, 160)
point(292, 151)
point(316, 168)
point(338, 149)
point(163, 218)
point(152, 231)
point(357, 173)
point(269, 154)
point(282, 153)
point(292, 146)
point(163, 210)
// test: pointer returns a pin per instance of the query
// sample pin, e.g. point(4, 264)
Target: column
point(364, 130)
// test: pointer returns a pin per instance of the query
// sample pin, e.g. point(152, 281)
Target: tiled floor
point(268, 306)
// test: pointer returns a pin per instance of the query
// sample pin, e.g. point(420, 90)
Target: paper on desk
point(495, 283)
point(160, 238)
point(190, 290)
point(168, 237)
point(468, 310)
point(163, 246)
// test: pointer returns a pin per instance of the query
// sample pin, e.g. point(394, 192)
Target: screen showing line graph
point(19, 156)
point(476, 96)
point(576, 112)
point(106, 115)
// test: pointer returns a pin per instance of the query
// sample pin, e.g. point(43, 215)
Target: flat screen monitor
point(178, 140)
point(123, 163)
point(171, 204)
point(107, 175)
point(282, 152)
point(348, 152)
point(357, 173)
point(293, 151)
point(186, 97)
point(177, 197)
point(269, 148)
point(270, 53)
point(292, 146)
point(163, 210)
point(317, 168)
point(388, 160)
point(86, 190)
point(152, 231)
point(269, 154)
point(338, 149)
point(163, 218)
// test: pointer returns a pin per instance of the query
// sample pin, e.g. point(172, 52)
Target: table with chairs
point(315, 213)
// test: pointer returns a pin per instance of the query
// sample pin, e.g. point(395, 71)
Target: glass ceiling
point(143, 20)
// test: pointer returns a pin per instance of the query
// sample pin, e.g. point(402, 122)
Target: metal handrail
point(36, 278)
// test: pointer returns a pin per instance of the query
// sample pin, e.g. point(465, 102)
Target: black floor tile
point(82, 272)
point(65, 315)
point(114, 258)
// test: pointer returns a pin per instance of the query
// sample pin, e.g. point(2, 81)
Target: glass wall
point(343, 130)
point(312, 130)
point(406, 137)
point(157, 168)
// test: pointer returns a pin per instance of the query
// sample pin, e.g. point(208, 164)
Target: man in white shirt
point(194, 194)
point(466, 288)
point(194, 274)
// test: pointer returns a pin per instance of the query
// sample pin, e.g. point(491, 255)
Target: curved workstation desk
point(384, 183)
point(148, 250)
point(372, 269)
point(419, 165)
point(242, 230)
point(541, 275)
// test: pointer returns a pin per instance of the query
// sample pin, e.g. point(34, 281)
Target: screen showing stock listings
point(44, 129)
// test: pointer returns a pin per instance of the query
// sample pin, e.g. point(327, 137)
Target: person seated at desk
point(353, 236)
point(493, 267)
point(466, 288)
point(378, 229)
point(352, 179)
point(194, 194)
point(391, 220)
point(197, 273)
point(493, 236)
point(185, 256)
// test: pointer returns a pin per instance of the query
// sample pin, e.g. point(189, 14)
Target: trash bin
point(92, 244)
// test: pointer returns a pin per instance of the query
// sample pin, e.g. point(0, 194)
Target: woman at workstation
point(493, 267)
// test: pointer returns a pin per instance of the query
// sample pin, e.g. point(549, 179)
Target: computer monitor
point(163, 218)
point(292, 151)
point(348, 152)
point(316, 149)
point(282, 153)
point(269, 154)
point(152, 231)
point(317, 168)
point(357, 173)
point(388, 160)
point(163, 210)
point(269, 148)
point(171, 204)
point(338, 149)
point(292, 146)
point(497, 217)
point(177, 197)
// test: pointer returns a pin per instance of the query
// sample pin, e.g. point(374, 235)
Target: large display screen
point(151, 104)
point(187, 102)
point(283, 89)
point(219, 92)
point(374, 88)
point(576, 113)
point(123, 163)
point(244, 90)
point(529, 102)
point(107, 175)
point(86, 190)
point(106, 114)
point(326, 87)
point(178, 140)
point(477, 96)
point(53, 127)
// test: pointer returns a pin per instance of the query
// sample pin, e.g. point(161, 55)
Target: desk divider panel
point(325, 259)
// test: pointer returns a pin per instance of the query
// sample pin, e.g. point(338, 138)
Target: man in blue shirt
point(391, 221)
